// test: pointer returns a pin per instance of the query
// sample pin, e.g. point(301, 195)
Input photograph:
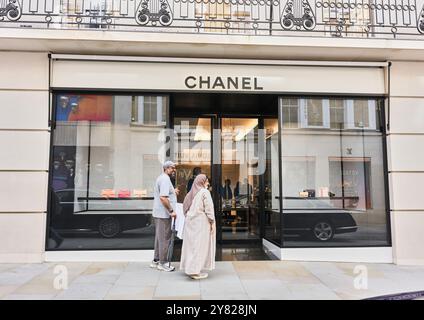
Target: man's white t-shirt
point(163, 188)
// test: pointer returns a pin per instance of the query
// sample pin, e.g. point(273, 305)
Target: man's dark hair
point(197, 171)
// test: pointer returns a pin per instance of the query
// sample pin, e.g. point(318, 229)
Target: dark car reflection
point(107, 221)
point(316, 219)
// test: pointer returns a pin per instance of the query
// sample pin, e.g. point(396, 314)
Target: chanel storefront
point(296, 152)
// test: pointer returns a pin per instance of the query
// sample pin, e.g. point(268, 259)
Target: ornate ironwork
point(297, 13)
point(420, 22)
point(11, 9)
point(332, 18)
point(153, 11)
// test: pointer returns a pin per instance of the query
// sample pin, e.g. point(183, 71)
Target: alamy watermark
point(360, 281)
point(60, 281)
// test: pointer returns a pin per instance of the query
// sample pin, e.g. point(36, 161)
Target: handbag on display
point(311, 193)
point(139, 193)
point(303, 194)
point(323, 192)
point(108, 193)
point(124, 193)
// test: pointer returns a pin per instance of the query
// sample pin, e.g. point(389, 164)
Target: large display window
point(323, 183)
point(105, 159)
point(333, 172)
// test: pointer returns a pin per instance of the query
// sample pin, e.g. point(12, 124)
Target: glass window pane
point(337, 114)
point(150, 110)
point(241, 141)
point(315, 112)
point(361, 113)
point(290, 113)
point(103, 173)
point(164, 109)
point(333, 181)
point(193, 151)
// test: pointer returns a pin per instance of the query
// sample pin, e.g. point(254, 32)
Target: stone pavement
point(231, 280)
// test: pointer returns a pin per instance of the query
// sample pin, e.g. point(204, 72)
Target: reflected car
point(316, 219)
point(63, 217)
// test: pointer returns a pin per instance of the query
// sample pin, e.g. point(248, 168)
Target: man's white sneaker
point(165, 267)
point(154, 264)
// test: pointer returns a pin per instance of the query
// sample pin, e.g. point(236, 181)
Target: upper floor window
point(361, 114)
point(329, 113)
point(150, 110)
point(337, 114)
point(315, 113)
point(290, 113)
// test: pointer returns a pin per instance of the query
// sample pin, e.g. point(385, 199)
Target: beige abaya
point(198, 251)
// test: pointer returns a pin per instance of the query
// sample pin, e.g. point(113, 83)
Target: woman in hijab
point(198, 251)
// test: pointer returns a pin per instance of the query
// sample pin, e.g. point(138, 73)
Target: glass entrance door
point(235, 153)
point(240, 186)
point(193, 154)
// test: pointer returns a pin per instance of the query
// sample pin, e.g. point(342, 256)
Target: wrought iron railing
point(331, 18)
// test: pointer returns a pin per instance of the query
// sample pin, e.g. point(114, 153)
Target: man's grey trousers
point(162, 238)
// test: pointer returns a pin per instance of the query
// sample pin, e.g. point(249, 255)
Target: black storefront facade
point(296, 156)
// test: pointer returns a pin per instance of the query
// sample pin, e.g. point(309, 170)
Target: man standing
point(196, 172)
point(165, 200)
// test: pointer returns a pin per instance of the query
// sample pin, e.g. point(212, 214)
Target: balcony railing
point(325, 18)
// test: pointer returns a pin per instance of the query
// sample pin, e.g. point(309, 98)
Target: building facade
point(306, 117)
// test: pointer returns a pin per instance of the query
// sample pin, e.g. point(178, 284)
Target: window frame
point(138, 110)
point(350, 115)
point(381, 123)
point(344, 113)
point(303, 110)
point(53, 123)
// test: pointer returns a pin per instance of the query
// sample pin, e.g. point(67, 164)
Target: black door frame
point(261, 204)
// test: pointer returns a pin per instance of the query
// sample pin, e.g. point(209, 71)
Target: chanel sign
point(222, 83)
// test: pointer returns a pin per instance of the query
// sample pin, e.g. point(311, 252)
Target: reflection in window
point(350, 181)
point(361, 113)
point(149, 110)
point(103, 171)
point(330, 113)
point(225, 17)
point(355, 20)
point(301, 172)
point(314, 111)
point(333, 180)
point(193, 151)
point(337, 114)
point(290, 113)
